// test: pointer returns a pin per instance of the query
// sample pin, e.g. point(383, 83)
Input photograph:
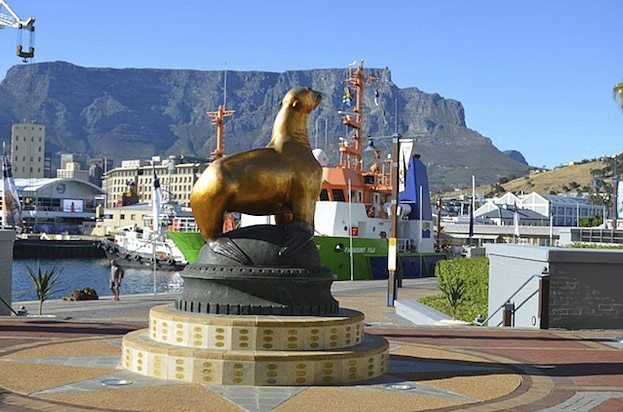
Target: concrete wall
point(6, 269)
point(586, 285)
point(510, 266)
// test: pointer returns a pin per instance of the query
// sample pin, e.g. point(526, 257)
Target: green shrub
point(473, 274)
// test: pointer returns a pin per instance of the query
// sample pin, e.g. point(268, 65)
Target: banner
point(620, 200)
point(403, 162)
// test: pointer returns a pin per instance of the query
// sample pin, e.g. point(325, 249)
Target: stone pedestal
point(255, 350)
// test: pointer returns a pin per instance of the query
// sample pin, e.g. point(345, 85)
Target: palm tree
point(617, 94)
point(44, 283)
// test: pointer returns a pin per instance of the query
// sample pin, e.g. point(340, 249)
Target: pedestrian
point(116, 274)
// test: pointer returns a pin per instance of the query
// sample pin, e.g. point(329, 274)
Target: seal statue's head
point(291, 121)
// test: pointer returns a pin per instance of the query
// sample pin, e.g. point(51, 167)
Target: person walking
point(116, 274)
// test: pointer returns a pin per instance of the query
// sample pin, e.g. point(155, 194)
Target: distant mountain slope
point(516, 156)
point(565, 179)
point(561, 180)
point(137, 113)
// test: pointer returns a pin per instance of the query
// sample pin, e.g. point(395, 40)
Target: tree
point(44, 281)
point(617, 94)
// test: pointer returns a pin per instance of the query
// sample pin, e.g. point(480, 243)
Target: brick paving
point(440, 368)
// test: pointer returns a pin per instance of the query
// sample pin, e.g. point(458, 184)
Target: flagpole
point(156, 200)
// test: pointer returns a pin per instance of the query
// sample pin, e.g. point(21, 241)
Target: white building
point(177, 176)
point(565, 210)
point(73, 170)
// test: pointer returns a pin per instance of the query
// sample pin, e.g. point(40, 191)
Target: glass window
point(338, 195)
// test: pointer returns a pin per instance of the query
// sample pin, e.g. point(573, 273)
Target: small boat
point(137, 247)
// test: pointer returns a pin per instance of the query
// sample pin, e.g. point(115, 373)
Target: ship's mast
point(218, 119)
point(350, 156)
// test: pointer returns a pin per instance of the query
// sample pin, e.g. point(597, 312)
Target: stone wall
point(585, 285)
point(6, 269)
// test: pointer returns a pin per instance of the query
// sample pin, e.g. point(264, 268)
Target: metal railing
point(510, 306)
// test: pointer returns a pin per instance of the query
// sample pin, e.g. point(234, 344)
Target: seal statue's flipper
point(228, 248)
point(293, 241)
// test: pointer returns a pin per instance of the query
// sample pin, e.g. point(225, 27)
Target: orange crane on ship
point(218, 119)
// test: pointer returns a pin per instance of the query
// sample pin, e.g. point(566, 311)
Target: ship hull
point(137, 260)
point(369, 256)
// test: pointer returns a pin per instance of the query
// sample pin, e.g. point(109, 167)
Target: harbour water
point(90, 273)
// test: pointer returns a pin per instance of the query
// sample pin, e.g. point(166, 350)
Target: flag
point(11, 206)
point(348, 96)
point(404, 156)
point(516, 220)
point(156, 202)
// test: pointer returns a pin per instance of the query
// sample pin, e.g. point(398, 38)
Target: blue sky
point(534, 76)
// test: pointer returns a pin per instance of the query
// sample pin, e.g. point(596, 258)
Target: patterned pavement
point(60, 364)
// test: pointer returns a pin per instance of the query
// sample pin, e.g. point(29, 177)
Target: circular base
point(367, 360)
point(269, 333)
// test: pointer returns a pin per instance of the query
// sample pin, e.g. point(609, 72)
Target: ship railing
point(405, 245)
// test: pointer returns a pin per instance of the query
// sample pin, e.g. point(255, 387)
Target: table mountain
point(137, 113)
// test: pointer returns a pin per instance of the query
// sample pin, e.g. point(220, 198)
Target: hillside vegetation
point(566, 179)
point(562, 180)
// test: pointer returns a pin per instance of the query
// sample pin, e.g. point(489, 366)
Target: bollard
point(508, 314)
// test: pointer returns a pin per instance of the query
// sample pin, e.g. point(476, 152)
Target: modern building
point(56, 205)
point(28, 150)
point(73, 170)
point(177, 175)
point(564, 210)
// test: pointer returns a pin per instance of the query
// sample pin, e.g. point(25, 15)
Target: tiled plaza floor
point(61, 364)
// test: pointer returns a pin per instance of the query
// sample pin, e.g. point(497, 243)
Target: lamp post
point(392, 253)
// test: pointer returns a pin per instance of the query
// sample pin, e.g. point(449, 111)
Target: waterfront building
point(177, 175)
point(57, 205)
point(28, 150)
point(565, 210)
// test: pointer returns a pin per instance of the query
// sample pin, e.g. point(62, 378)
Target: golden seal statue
point(282, 179)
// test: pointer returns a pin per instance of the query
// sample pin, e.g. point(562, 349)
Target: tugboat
point(136, 247)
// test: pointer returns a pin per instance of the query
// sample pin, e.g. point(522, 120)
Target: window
point(324, 195)
point(122, 216)
point(338, 195)
point(133, 216)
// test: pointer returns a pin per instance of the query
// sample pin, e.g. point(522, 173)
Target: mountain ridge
point(137, 113)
